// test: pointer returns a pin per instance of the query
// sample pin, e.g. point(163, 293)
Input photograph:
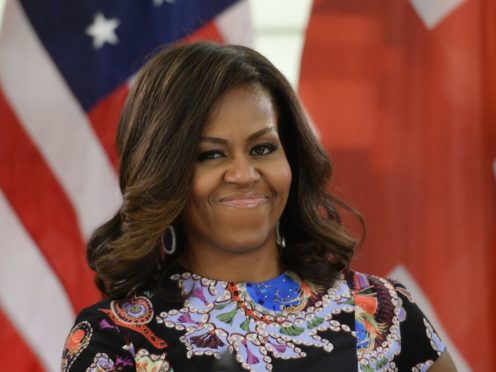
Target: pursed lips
point(251, 200)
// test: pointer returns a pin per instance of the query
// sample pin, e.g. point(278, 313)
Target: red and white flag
point(403, 95)
point(65, 69)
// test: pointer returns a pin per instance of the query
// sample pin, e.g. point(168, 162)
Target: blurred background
point(402, 93)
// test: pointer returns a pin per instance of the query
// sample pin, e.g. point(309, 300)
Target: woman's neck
point(257, 266)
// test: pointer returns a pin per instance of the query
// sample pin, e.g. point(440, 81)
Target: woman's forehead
point(241, 109)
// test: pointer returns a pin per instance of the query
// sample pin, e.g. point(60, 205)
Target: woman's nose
point(241, 170)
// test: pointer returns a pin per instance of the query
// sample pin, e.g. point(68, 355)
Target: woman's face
point(242, 177)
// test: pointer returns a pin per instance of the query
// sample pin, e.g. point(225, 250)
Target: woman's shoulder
point(115, 333)
point(93, 311)
point(390, 325)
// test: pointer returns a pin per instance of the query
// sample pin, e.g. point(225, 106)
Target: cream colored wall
point(2, 7)
point(279, 31)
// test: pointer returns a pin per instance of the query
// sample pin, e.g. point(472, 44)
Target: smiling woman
point(193, 139)
point(227, 240)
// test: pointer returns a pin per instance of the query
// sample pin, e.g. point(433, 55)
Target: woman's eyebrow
point(261, 132)
point(216, 140)
point(251, 137)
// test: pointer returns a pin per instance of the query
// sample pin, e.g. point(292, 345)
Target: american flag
point(65, 70)
point(403, 94)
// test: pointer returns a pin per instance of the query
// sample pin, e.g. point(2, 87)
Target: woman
point(227, 242)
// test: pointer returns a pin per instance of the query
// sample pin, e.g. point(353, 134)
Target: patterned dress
point(362, 323)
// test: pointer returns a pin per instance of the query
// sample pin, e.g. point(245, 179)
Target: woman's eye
point(263, 149)
point(209, 155)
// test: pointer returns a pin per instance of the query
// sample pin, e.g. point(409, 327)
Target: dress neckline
point(184, 271)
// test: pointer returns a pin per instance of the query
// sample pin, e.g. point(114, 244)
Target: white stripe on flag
point(55, 121)
point(30, 293)
point(434, 12)
point(235, 25)
point(401, 274)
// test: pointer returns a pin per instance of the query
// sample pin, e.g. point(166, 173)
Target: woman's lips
point(243, 201)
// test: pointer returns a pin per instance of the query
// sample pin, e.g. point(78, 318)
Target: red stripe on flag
point(488, 15)
point(43, 208)
point(208, 31)
point(104, 118)
point(17, 355)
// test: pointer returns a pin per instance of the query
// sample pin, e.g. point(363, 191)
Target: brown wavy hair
point(157, 140)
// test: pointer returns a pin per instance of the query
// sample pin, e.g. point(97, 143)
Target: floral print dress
point(362, 323)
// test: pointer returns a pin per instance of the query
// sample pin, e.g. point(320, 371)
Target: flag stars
point(102, 30)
